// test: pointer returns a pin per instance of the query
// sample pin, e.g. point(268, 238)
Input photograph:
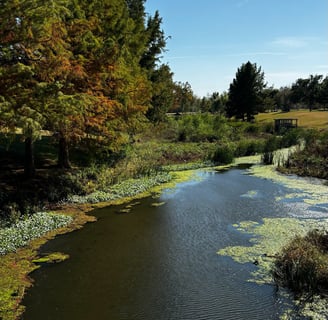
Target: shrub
point(249, 147)
point(302, 266)
point(224, 154)
point(292, 137)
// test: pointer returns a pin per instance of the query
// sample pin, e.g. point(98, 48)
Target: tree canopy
point(83, 70)
point(245, 92)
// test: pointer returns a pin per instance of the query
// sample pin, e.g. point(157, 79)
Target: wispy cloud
point(291, 42)
point(283, 78)
point(259, 53)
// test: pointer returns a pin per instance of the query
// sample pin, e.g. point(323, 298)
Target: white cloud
point(259, 53)
point(291, 42)
point(284, 78)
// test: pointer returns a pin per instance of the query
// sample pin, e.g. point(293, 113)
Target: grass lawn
point(306, 119)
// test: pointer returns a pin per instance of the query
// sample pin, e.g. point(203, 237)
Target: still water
point(161, 262)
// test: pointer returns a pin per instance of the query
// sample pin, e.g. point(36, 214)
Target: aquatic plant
point(128, 188)
point(35, 226)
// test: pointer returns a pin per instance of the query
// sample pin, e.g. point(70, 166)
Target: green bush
point(272, 143)
point(249, 147)
point(302, 266)
point(224, 154)
point(291, 137)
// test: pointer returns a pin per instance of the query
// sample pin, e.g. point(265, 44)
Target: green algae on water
point(267, 239)
point(157, 204)
point(54, 257)
point(311, 191)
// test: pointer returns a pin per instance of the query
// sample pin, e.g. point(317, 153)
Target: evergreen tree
point(162, 93)
point(160, 76)
point(21, 36)
point(156, 43)
point(307, 91)
point(245, 92)
point(323, 95)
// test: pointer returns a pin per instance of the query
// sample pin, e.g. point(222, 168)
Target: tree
point(72, 66)
point(155, 43)
point(283, 99)
point(269, 99)
point(21, 43)
point(323, 94)
point(102, 98)
point(307, 90)
point(160, 76)
point(245, 92)
point(162, 93)
point(183, 97)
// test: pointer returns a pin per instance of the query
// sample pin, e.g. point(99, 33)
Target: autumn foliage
point(79, 69)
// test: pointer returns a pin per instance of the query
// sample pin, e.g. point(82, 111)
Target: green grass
point(306, 119)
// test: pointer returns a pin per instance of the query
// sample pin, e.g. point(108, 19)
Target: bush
point(249, 147)
point(302, 266)
point(292, 137)
point(224, 154)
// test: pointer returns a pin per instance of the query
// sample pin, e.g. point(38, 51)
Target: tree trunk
point(29, 168)
point(63, 154)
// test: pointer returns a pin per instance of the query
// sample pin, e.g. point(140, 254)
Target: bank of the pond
point(16, 266)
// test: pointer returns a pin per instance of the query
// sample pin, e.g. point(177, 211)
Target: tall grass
point(302, 266)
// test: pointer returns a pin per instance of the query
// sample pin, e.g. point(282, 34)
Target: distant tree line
point(249, 94)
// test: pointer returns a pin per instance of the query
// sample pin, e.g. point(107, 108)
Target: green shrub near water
point(224, 154)
point(249, 147)
point(312, 159)
point(302, 266)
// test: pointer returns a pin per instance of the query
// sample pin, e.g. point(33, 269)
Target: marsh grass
point(302, 265)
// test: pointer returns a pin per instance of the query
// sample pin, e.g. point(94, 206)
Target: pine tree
point(245, 92)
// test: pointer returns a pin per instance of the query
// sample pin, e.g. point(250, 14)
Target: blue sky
point(211, 39)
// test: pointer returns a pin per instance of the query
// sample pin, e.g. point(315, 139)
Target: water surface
point(161, 262)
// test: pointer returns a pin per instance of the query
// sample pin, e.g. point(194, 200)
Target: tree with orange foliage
point(71, 66)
